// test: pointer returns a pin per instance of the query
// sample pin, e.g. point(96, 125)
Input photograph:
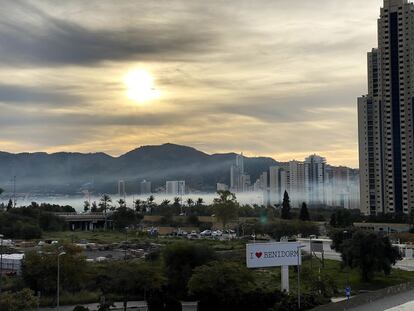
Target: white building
point(121, 188)
point(145, 187)
point(222, 187)
point(386, 115)
point(175, 187)
point(315, 180)
point(12, 263)
point(239, 180)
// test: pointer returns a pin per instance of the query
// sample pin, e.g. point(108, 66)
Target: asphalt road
point(400, 302)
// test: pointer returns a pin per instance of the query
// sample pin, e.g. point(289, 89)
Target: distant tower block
point(145, 187)
point(121, 188)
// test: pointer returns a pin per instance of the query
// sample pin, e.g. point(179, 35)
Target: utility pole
point(125, 259)
point(58, 281)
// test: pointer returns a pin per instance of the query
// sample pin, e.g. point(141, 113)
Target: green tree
point(40, 269)
point(367, 251)
point(1, 191)
point(286, 206)
point(133, 279)
point(121, 203)
point(138, 205)
point(86, 206)
point(123, 217)
point(18, 301)
point(94, 207)
point(220, 285)
point(9, 205)
point(199, 202)
point(104, 205)
point(226, 207)
point(190, 202)
point(180, 259)
point(304, 213)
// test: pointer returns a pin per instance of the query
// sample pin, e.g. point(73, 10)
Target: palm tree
point(151, 202)
point(104, 204)
point(94, 207)
point(86, 206)
point(165, 203)
point(138, 204)
point(121, 203)
point(190, 202)
point(199, 202)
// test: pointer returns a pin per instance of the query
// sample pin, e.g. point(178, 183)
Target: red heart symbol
point(259, 254)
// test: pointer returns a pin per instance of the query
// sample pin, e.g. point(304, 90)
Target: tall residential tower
point(386, 114)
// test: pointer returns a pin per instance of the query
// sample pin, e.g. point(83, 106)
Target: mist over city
point(191, 155)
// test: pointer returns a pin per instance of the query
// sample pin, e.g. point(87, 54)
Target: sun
point(140, 86)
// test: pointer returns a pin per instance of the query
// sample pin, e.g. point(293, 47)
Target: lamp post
point(125, 259)
point(58, 279)
point(299, 262)
point(345, 233)
point(1, 260)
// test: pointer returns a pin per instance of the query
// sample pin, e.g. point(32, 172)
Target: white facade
point(222, 187)
point(239, 180)
point(121, 188)
point(386, 115)
point(175, 187)
point(315, 179)
point(145, 187)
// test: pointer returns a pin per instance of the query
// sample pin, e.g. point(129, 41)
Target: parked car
point(206, 233)
point(217, 234)
point(193, 235)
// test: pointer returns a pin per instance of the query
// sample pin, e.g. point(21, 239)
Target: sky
point(273, 78)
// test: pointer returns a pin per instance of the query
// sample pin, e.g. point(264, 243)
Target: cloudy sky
point(275, 78)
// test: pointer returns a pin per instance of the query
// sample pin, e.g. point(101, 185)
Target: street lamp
point(299, 257)
point(345, 237)
point(125, 258)
point(1, 260)
point(58, 279)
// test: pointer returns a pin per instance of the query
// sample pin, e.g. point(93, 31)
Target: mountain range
point(70, 173)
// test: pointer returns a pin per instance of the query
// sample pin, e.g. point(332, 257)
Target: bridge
point(87, 221)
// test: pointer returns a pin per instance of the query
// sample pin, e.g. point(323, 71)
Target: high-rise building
point(145, 187)
point(239, 180)
point(314, 168)
point(121, 188)
point(176, 187)
point(386, 115)
point(275, 184)
point(222, 187)
point(296, 183)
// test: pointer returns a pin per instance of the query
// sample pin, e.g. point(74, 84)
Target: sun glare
point(140, 86)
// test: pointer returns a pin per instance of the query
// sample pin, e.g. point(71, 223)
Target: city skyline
point(251, 79)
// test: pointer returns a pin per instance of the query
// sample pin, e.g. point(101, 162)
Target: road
point(399, 302)
point(132, 306)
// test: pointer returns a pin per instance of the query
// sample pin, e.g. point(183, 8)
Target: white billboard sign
point(262, 255)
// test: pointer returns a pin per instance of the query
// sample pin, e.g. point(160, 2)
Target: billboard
point(262, 255)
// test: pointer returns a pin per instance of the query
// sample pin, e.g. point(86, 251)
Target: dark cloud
point(33, 37)
point(15, 94)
